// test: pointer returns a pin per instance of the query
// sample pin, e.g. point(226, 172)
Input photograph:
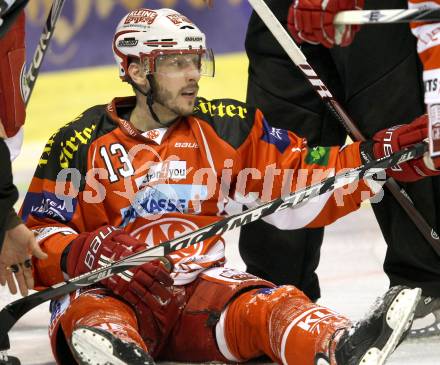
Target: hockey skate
point(372, 340)
point(95, 346)
point(426, 319)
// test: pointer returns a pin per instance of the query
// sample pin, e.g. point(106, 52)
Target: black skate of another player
point(373, 339)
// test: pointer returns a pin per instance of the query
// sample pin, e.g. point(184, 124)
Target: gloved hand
point(312, 21)
point(391, 140)
point(148, 288)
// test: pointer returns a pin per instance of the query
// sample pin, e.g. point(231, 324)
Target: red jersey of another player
point(428, 47)
point(166, 182)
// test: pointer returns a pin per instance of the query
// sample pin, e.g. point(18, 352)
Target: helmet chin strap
point(150, 99)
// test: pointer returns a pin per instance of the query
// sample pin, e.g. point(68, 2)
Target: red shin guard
point(105, 312)
point(281, 323)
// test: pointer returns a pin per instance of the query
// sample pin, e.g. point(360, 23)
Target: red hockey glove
point(312, 21)
point(396, 138)
point(148, 288)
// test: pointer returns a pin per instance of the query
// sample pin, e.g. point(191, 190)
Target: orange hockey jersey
point(162, 183)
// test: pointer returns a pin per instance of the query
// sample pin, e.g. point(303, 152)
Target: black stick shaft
point(388, 16)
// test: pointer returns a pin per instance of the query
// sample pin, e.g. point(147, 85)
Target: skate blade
point(399, 318)
point(93, 348)
point(8, 360)
point(425, 327)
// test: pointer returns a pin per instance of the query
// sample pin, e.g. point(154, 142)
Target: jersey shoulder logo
point(276, 136)
point(67, 142)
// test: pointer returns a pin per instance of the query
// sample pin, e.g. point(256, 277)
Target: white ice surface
point(351, 278)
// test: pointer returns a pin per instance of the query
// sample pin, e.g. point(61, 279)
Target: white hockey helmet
point(146, 34)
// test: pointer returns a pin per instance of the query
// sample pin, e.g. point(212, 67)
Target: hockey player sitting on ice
point(145, 169)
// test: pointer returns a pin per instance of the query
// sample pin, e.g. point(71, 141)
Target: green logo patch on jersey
point(318, 156)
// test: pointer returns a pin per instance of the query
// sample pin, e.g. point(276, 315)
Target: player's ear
point(138, 74)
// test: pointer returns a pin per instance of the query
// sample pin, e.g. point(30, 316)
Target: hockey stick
point(10, 314)
point(387, 16)
point(298, 57)
point(29, 78)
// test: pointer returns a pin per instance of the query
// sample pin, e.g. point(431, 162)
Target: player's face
point(176, 82)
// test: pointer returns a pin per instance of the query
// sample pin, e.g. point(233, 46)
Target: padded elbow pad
point(12, 60)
